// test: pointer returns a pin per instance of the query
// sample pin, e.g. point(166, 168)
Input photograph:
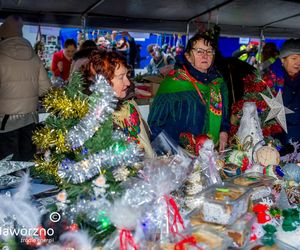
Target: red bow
point(190, 240)
point(171, 204)
point(126, 238)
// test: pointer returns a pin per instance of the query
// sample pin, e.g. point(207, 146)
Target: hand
point(60, 66)
point(223, 141)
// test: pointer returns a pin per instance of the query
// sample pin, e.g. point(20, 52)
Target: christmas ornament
point(283, 201)
point(192, 143)
point(199, 141)
point(99, 185)
point(261, 211)
point(250, 128)
point(268, 238)
point(291, 172)
point(277, 109)
point(291, 219)
point(121, 173)
point(267, 155)
point(238, 158)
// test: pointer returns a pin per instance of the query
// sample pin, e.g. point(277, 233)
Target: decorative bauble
point(200, 139)
point(238, 158)
point(192, 143)
point(291, 172)
point(267, 155)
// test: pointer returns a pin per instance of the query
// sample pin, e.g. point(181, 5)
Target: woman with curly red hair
point(114, 68)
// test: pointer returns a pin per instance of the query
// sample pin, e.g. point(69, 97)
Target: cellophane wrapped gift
point(239, 232)
point(161, 220)
point(261, 186)
point(204, 174)
point(126, 220)
point(210, 237)
point(223, 203)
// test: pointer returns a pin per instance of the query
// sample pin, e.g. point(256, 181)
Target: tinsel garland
point(57, 102)
point(118, 154)
point(47, 170)
point(66, 135)
point(102, 104)
point(47, 138)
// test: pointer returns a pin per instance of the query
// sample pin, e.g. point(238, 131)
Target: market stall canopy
point(278, 18)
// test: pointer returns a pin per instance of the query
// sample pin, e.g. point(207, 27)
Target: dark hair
point(88, 44)
point(196, 38)
point(70, 42)
point(269, 50)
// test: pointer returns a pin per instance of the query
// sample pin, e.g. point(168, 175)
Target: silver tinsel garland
point(121, 153)
point(116, 155)
point(102, 104)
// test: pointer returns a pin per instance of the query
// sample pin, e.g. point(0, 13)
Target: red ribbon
point(126, 238)
point(190, 240)
point(171, 204)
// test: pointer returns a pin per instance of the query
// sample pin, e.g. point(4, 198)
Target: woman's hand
point(223, 141)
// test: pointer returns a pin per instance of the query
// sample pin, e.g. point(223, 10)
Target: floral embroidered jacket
point(130, 120)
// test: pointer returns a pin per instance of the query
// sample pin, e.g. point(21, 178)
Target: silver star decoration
point(277, 109)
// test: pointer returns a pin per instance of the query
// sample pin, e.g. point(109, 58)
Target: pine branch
point(75, 88)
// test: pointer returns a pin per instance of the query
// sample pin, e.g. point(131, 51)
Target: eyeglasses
point(200, 51)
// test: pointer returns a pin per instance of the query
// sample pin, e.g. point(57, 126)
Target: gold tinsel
point(47, 170)
point(58, 103)
point(46, 138)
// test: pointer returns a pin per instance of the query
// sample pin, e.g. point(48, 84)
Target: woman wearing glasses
point(193, 98)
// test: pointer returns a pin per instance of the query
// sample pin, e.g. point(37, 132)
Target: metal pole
point(83, 22)
point(187, 33)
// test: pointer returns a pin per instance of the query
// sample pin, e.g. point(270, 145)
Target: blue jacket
point(291, 100)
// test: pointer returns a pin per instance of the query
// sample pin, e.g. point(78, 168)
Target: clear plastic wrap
point(207, 161)
point(212, 238)
point(223, 203)
point(260, 184)
point(204, 173)
point(165, 145)
point(126, 220)
point(239, 232)
point(162, 219)
point(161, 222)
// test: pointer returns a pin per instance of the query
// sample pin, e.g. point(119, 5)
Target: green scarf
point(210, 95)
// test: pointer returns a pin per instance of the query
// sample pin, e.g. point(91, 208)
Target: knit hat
point(290, 47)
point(12, 26)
